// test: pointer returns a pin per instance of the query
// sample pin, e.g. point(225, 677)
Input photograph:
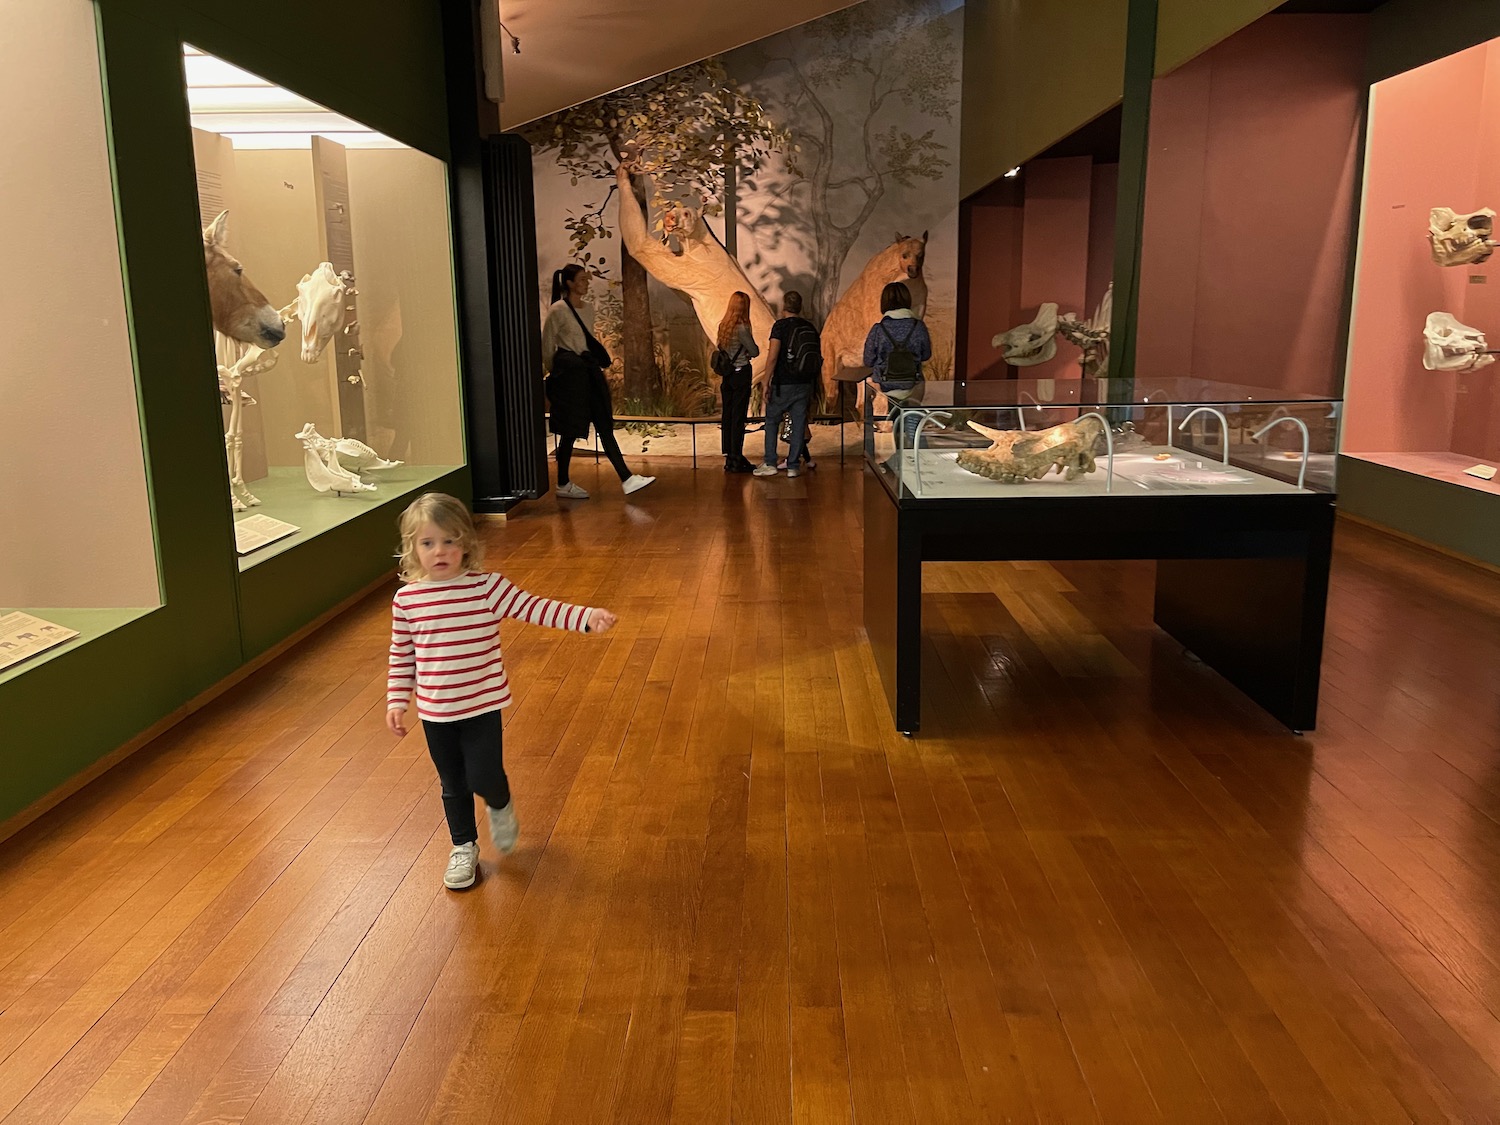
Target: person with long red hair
point(734, 348)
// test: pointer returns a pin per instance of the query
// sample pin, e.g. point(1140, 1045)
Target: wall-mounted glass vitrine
point(329, 259)
point(79, 553)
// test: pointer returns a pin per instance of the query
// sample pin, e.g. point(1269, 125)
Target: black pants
point(469, 760)
point(736, 393)
point(601, 415)
point(607, 443)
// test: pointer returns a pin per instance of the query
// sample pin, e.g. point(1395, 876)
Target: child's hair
point(451, 517)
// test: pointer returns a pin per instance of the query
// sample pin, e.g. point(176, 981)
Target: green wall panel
point(1033, 73)
point(1187, 28)
point(284, 593)
point(380, 62)
point(1449, 515)
point(1036, 71)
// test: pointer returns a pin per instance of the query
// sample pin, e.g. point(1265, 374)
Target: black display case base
point(1241, 581)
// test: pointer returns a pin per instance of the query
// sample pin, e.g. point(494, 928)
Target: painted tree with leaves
point(682, 129)
point(882, 56)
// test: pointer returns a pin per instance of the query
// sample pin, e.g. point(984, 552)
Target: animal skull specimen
point(1032, 343)
point(1091, 336)
point(1452, 345)
point(1461, 240)
point(322, 297)
point(1019, 455)
point(324, 460)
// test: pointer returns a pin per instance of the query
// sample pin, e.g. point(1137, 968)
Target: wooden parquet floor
point(1099, 887)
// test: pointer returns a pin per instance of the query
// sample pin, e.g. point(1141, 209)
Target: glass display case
point(330, 270)
point(1033, 438)
point(1228, 488)
point(80, 554)
point(1422, 383)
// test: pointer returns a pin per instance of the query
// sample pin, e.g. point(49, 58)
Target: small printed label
point(1483, 472)
point(1478, 279)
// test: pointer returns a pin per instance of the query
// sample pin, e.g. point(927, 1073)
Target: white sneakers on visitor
point(764, 471)
point(504, 827)
point(463, 866)
point(793, 472)
point(571, 491)
point(635, 483)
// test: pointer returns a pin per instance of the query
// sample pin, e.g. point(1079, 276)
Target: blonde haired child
point(445, 649)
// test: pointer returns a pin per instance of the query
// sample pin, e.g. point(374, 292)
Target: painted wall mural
point(798, 162)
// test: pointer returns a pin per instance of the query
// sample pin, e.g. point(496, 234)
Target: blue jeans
point(793, 399)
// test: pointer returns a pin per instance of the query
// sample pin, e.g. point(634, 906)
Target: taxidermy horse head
point(240, 310)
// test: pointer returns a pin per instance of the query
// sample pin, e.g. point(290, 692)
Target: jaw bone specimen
point(322, 297)
point(1018, 455)
point(1453, 346)
point(334, 464)
point(1032, 343)
point(1461, 240)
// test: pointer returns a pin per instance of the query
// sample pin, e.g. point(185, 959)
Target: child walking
point(445, 647)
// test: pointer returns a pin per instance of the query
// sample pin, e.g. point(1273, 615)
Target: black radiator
point(495, 246)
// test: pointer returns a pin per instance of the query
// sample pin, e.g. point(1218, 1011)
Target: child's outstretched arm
point(401, 677)
point(508, 600)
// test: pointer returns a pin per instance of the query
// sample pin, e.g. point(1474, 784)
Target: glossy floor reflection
point(1098, 887)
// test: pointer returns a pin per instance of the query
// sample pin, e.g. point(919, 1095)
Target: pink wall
point(1058, 245)
point(994, 284)
point(1394, 404)
point(1055, 248)
point(1103, 186)
point(1249, 205)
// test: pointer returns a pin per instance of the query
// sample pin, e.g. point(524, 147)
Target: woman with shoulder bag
point(577, 390)
point(735, 347)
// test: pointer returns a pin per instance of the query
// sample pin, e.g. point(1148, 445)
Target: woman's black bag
point(597, 351)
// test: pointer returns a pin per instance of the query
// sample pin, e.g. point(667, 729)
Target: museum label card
point(1483, 472)
point(23, 636)
point(254, 532)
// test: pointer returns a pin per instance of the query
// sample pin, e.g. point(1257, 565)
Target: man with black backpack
point(796, 363)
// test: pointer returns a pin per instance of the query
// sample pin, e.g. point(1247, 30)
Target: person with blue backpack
point(796, 362)
point(896, 348)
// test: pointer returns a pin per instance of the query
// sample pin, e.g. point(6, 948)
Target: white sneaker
point(463, 867)
point(636, 483)
point(764, 471)
point(504, 827)
point(794, 472)
point(571, 491)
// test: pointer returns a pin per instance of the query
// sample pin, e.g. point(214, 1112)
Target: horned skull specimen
point(1033, 343)
point(1461, 240)
point(1018, 455)
point(322, 297)
point(1451, 345)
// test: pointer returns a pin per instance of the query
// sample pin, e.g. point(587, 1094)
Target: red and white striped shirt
point(445, 643)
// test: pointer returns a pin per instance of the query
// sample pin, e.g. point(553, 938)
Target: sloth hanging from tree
point(679, 133)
